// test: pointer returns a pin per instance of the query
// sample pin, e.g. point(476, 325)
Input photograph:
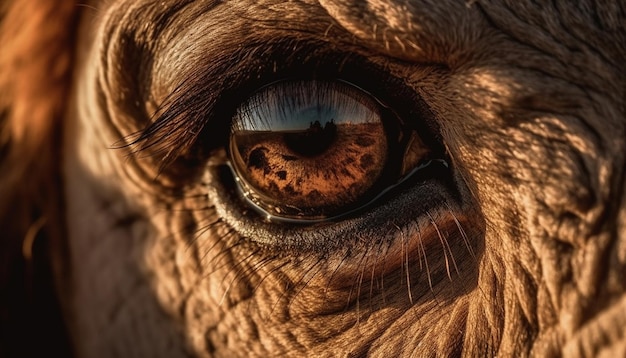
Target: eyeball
point(311, 150)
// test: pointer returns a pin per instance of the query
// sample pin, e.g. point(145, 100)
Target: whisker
point(332, 275)
point(200, 232)
point(221, 256)
point(445, 255)
point(269, 273)
point(360, 264)
point(240, 270)
point(382, 273)
point(282, 296)
point(423, 251)
point(303, 286)
point(371, 293)
point(358, 292)
point(404, 252)
point(463, 233)
point(188, 231)
point(204, 258)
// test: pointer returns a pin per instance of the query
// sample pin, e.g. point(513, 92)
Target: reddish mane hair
point(37, 44)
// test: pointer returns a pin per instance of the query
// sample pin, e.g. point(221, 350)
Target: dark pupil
point(312, 141)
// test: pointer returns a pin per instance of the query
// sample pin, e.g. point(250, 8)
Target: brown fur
point(530, 103)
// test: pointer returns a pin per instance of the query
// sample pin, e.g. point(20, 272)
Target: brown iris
point(309, 149)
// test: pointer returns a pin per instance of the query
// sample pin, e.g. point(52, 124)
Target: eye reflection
point(310, 150)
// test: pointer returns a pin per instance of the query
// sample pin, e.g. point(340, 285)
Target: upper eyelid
point(181, 89)
point(195, 118)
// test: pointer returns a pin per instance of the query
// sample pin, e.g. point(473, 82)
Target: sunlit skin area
point(312, 178)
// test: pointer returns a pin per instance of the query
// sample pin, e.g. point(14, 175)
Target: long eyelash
point(179, 121)
point(174, 127)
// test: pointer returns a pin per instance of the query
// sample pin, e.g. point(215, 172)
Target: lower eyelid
point(324, 236)
point(432, 236)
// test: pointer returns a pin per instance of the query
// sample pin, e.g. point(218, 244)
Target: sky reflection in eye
point(298, 105)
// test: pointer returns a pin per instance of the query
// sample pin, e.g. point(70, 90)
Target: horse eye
point(315, 150)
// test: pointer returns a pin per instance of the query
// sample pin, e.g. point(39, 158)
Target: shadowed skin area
point(516, 247)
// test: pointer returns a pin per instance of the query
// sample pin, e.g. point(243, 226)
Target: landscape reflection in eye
point(310, 150)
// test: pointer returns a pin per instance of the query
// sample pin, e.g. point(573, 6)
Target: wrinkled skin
point(526, 257)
